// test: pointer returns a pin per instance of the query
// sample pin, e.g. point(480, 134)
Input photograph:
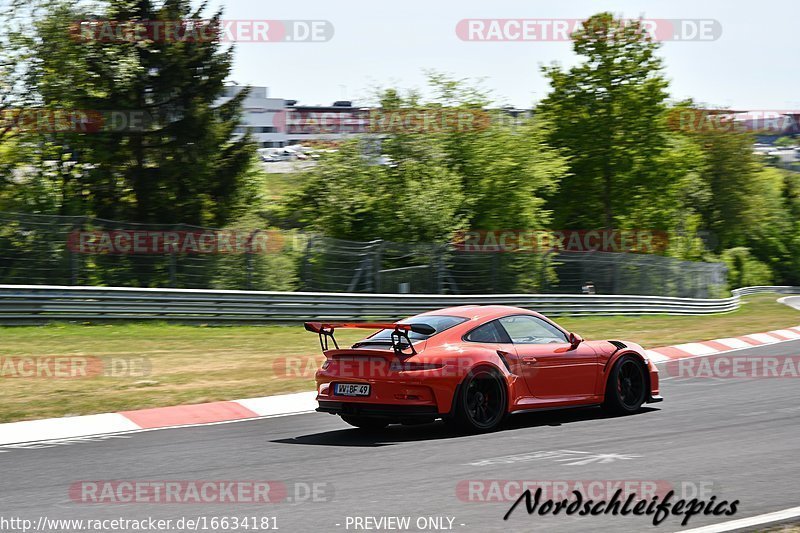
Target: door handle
point(529, 360)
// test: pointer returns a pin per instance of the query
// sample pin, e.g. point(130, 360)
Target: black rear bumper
point(376, 410)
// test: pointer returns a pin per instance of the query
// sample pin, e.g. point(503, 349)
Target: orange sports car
point(474, 365)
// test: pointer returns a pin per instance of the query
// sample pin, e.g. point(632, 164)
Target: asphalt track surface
point(738, 437)
point(792, 301)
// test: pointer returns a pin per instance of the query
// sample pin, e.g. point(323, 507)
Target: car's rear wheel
point(481, 401)
point(363, 422)
point(626, 390)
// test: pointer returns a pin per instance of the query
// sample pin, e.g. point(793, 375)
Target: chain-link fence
point(333, 265)
point(57, 250)
point(65, 250)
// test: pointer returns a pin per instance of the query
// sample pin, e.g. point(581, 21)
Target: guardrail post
point(703, 288)
point(679, 289)
point(305, 266)
point(643, 271)
point(377, 259)
point(73, 268)
point(495, 267)
point(172, 269)
point(248, 259)
point(74, 256)
point(248, 267)
point(544, 282)
point(439, 262)
point(582, 264)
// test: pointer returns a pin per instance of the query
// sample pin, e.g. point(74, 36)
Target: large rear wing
point(326, 330)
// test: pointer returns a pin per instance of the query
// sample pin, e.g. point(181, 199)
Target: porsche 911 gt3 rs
point(472, 366)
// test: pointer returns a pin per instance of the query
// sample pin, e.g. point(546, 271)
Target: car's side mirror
point(575, 340)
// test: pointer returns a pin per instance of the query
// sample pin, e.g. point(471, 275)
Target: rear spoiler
point(326, 330)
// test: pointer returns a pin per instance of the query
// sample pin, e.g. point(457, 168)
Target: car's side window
point(525, 329)
point(489, 332)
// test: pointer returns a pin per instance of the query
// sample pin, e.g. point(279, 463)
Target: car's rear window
point(437, 322)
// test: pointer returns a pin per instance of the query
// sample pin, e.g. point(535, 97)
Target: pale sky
point(755, 63)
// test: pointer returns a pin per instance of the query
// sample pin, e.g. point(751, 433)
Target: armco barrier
point(35, 304)
point(782, 289)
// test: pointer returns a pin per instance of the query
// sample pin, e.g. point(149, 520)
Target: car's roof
point(480, 312)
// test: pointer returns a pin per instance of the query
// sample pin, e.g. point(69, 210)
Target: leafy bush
point(744, 270)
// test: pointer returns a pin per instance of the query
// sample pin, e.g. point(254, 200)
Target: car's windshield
point(437, 322)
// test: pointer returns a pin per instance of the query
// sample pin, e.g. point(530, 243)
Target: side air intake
point(619, 344)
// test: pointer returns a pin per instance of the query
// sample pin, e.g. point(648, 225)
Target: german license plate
point(351, 389)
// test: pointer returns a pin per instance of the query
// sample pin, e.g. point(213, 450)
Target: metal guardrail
point(780, 289)
point(36, 304)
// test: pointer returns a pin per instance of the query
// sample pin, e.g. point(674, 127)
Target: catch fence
point(84, 251)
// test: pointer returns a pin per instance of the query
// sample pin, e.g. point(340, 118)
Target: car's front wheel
point(367, 423)
point(627, 386)
point(481, 401)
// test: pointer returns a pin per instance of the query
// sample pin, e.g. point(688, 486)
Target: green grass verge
point(193, 364)
point(279, 185)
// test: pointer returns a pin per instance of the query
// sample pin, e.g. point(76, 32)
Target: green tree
point(607, 112)
point(349, 196)
point(13, 94)
point(730, 172)
point(492, 176)
point(182, 162)
point(786, 142)
point(744, 270)
point(740, 203)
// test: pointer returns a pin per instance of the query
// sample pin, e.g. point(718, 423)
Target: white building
point(276, 122)
point(263, 117)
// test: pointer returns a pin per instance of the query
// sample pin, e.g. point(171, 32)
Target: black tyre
point(626, 390)
point(362, 422)
point(481, 402)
